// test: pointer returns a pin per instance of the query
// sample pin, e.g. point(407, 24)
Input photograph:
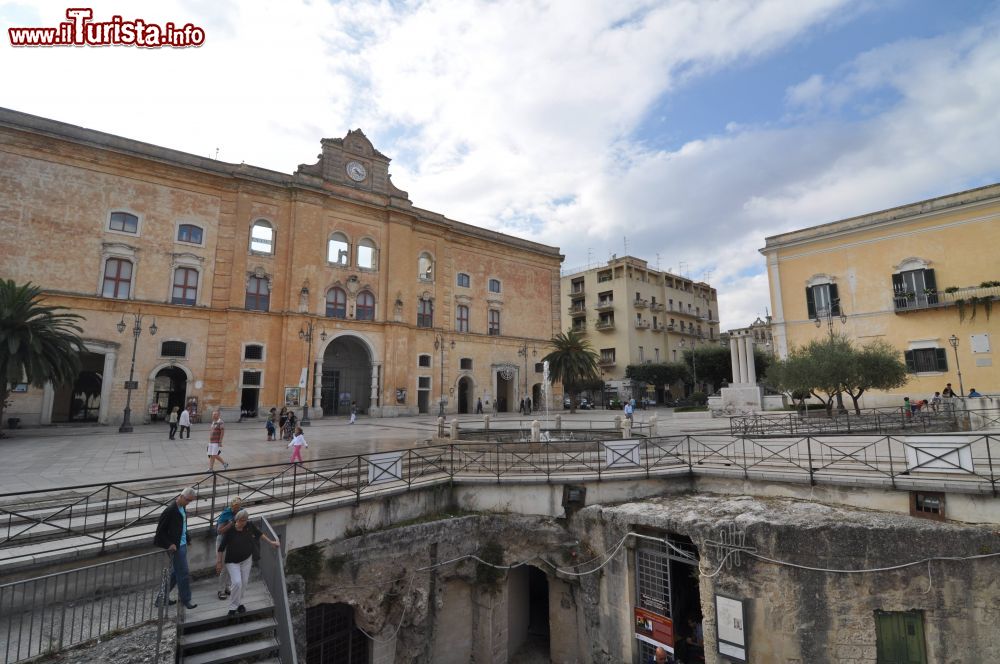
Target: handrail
point(272, 572)
point(285, 488)
point(52, 612)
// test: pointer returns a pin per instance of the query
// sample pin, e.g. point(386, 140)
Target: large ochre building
point(633, 314)
point(236, 264)
point(922, 277)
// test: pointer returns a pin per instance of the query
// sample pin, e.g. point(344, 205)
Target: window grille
point(251, 378)
point(253, 352)
point(173, 349)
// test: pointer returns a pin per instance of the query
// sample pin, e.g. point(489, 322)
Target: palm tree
point(38, 343)
point(573, 362)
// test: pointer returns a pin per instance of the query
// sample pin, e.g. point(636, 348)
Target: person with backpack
point(223, 523)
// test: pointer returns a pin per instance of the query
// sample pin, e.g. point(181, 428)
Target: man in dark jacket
point(172, 535)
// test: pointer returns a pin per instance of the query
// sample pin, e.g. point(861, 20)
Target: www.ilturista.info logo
point(81, 30)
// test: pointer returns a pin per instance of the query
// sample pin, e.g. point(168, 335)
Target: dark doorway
point(81, 401)
point(667, 585)
point(332, 637)
point(464, 395)
point(249, 400)
point(505, 393)
point(528, 615)
point(169, 390)
point(423, 399)
point(347, 377)
point(536, 397)
point(538, 607)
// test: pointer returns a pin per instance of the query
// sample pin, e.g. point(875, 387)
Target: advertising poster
point(654, 629)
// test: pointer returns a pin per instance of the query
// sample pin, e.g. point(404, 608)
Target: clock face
point(356, 171)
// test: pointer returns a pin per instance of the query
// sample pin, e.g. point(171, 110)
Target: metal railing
point(282, 490)
point(56, 611)
point(272, 572)
point(870, 420)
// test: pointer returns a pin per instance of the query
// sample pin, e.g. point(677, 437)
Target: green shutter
point(911, 362)
point(810, 303)
point(834, 301)
point(941, 357)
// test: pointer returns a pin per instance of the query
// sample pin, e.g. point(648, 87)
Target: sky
point(680, 132)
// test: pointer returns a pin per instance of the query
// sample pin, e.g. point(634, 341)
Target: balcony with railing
point(605, 324)
point(605, 361)
point(657, 328)
point(657, 307)
point(576, 288)
point(577, 310)
point(642, 324)
point(604, 305)
point(640, 304)
point(904, 302)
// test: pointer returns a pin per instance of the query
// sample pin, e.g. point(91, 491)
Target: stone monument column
point(751, 365)
point(734, 358)
point(741, 350)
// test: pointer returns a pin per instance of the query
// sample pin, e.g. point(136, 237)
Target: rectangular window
point(608, 355)
point(822, 300)
point(914, 289)
point(124, 222)
point(424, 382)
point(258, 295)
point(189, 233)
point(173, 349)
point(462, 318)
point(251, 378)
point(465, 364)
point(656, 352)
point(253, 352)
point(642, 357)
point(463, 280)
point(493, 329)
point(117, 278)
point(185, 286)
point(926, 360)
point(424, 361)
point(927, 505)
point(539, 367)
point(425, 313)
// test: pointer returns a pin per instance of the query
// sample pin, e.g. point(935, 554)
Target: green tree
point(715, 365)
point(876, 366)
point(38, 343)
point(658, 375)
point(572, 362)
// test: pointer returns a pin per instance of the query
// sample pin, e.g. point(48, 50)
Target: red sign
point(654, 629)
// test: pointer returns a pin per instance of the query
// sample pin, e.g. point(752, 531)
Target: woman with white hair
point(236, 551)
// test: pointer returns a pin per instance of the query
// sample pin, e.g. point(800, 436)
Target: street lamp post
point(306, 334)
point(953, 340)
point(523, 352)
point(828, 314)
point(439, 344)
point(126, 426)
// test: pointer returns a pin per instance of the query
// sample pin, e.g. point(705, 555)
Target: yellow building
point(922, 277)
point(633, 314)
point(233, 263)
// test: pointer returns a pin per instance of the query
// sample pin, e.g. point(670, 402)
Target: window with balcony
point(822, 300)
point(922, 360)
point(607, 356)
point(576, 286)
point(913, 289)
point(604, 276)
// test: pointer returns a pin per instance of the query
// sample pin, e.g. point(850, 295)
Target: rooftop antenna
point(217, 154)
point(590, 255)
point(682, 268)
point(625, 241)
point(706, 276)
point(657, 261)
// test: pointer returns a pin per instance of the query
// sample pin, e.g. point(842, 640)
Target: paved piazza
point(52, 457)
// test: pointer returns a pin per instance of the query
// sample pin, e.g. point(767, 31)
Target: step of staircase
point(233, 653)
point(227, 632)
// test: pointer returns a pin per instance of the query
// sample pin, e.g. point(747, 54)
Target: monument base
point(742, 399)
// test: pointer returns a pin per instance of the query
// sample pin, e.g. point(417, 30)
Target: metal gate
point(341, 387)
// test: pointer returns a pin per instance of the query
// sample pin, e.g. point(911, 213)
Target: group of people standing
point(285, 422)
point(237, 545)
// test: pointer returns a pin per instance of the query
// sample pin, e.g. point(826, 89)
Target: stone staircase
point(207, 635)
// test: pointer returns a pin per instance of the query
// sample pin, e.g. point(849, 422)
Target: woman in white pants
point(236, 551)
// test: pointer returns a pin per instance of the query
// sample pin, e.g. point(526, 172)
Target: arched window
point(366, 254)
point(338, 250)
point(258, 294)
point(336, 303)
point(462, 318)
point(366, 306)
point(189, 233)
point(123, 222)
point(262, 237)
point(494, 285)
point(425, 267)
point(117, 278)
point(463, 280)
point(185, 286)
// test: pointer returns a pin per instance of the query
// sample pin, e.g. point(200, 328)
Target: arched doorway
point(347, 376)
point(465, 391)
point(536, 397)
point(505, 393)
point(332, 637)
point(169, 390)
point(528, 614)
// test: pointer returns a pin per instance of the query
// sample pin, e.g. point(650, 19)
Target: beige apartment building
point(323, 287)
point(923, 277)
point(633, 314)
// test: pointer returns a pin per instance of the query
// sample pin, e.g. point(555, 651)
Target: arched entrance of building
point(465, 392)
point(332, 637)
point(347, 376)
point(528, 614)
point(81, 401)
point(169, 391)
point(536, 397)
point(505, 390)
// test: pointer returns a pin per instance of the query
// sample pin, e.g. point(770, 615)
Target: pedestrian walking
point(172, 420)
point(354, 412)
point(527, 405)
point(185, 422)
point(272, 431)
point(171, 534)
point(629, 409)
point(223, 523)
point(236, 551)
point(298, 442)
point(479, 406)
point(215, 436)
point(520, 408)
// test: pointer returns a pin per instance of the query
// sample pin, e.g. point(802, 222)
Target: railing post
point(892, 470)
point(687, 438)
point(451, 462)
point(498, 460)
point(989, 458)
point(357, 495)
point(295, 474)
point(743, 444)
point(211, 514)
point(548, 464)
point(645, 444)
point(812, 479)
point(107, 510)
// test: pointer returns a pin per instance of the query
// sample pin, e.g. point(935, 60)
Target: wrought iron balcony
point(904, 302)
point(640, 304)
point(604, 325)
point(656, 328)
point(604, 305)
point(642, 324)
point(657, 307)
point(606, 362)
point(577, 310)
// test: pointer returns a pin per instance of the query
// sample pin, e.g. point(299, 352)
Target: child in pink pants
point(297, 443)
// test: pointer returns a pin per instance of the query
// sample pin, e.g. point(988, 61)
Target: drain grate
point(133, 452)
